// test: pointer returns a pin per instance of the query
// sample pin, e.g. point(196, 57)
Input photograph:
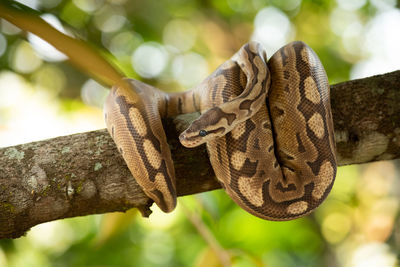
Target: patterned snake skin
point(275, 158)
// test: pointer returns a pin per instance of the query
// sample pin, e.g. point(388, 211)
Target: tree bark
point(84, 174)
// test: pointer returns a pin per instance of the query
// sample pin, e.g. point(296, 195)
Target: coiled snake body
point(275, 158)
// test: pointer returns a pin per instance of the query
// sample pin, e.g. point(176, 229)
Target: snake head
point(202, 130)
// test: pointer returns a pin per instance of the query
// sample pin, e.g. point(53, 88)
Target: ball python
point(267, 126)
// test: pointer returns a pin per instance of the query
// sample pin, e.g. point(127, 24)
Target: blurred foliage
point(174, 45)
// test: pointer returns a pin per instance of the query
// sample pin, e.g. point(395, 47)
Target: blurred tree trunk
point(83, 174)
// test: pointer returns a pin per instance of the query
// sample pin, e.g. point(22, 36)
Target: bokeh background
point(174, 45)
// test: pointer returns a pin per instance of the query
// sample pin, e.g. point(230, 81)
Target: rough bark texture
point(83, 174)
point(366, 116)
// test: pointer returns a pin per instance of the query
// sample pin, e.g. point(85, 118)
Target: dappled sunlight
point(351, 5)
point(89, 5)
point(158, 247)
point(43, 48)
point(109, 19)
point(159, 219)
point(30, 3)
point(25, 59)
point(124, 43)
point(380, 45)
point(189, 69)
point(50, 78)
point(93, 93)
point(373, 254)
point(272, 28)
point(179, 34)
point(365, 216)
point(174, 45)
point(149, 59)
point(335, 227)
point(8, 28)
point(53, 237)
point(31, 114)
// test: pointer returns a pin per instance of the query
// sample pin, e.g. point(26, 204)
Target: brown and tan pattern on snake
point(135, 126)
point(275, 158)
point(280, 164)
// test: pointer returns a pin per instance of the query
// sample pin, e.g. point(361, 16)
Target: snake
point(267, 126)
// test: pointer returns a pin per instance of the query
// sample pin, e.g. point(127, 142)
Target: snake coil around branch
point(267, 124)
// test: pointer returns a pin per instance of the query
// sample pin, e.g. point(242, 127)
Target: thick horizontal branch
point(84, 174)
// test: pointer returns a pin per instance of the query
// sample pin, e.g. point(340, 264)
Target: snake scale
point(267, 125)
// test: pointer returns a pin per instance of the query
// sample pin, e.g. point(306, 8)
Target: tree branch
point(84, 174)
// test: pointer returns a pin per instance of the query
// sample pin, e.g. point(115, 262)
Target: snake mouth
point(190, 141)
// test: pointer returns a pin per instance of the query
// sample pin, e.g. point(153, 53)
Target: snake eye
point(203, 133)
